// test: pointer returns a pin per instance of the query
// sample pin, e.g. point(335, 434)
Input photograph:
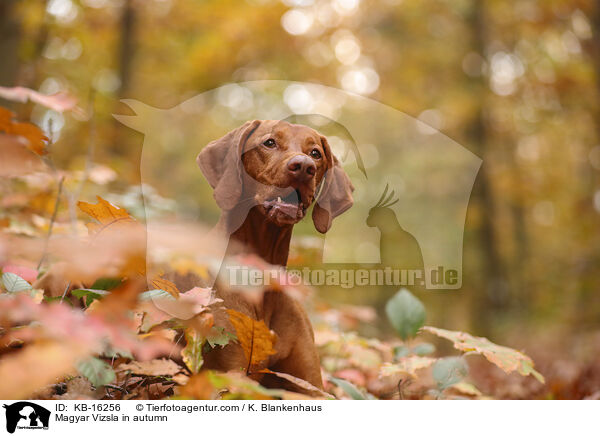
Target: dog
point(265, 175)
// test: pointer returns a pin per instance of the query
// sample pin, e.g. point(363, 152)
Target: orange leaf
point(36, 138)
point(312, 389)
point(23, 372)
point(254, 336)
point(166, 285)
point(105, 213)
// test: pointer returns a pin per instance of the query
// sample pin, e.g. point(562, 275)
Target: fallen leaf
point(156, 367)
point(298, 382)
point(107, 215)
point(505, 358)
point(254, 336)
point(199, 387)
point(465, 388)
point(348, 388)
point(97, 371)
point(406, 366)
point(26, 273)
point(35, 137)
point(165, 285)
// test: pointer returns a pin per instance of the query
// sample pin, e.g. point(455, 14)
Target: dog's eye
point(269, 143)
point(315, 154)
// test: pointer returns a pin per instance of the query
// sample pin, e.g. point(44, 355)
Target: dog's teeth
point(278, 199)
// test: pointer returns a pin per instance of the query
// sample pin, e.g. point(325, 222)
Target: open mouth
point(291, 206)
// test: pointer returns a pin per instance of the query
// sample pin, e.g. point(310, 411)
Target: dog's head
point(280, 168)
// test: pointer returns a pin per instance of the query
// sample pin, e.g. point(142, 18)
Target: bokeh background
point(516, 83)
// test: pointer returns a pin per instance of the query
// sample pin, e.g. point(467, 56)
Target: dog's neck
point(260, 236)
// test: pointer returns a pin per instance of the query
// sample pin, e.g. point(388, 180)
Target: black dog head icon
point(27, 414)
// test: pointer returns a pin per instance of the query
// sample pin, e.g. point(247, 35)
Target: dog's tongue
point(289, 209)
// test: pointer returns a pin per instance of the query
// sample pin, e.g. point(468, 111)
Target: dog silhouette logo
point(26, 415)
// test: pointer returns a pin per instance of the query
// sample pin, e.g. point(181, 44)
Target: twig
point(51, 225)
point(65, 292)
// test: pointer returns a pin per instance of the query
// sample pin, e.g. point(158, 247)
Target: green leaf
point(348, 387)
point(98, 372)
point(14, 283)
point(155, 293)
point(106, 284)
point(423, 349)
point(89, 294)
point(406, 313)
point(219, 336)
point(192, 353)
point(449, 371)
point(401, 351)
point(58, 299)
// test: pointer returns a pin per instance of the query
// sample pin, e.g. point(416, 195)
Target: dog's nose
point(302, 167)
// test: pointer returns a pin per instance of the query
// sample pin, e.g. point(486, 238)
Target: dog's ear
point(220, 162)
point(336, 192)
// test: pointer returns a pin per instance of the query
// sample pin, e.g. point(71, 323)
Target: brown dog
point(265, 175)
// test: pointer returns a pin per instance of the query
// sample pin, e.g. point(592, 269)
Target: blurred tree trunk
point(10, 36)
point(127, 46)
point(31, 73)
point(595, 56)
point(122, 138)
point(492, 294)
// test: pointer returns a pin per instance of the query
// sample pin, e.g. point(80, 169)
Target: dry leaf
point(35, 137)
point(298, 382)
point(505, 358)
point(156, 367)
point(254, 336)
point(166, 285)
point(199, 387)
point(107, 215)
point(406, 366)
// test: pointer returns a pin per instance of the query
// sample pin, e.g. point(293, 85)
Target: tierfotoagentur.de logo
point(25, 415)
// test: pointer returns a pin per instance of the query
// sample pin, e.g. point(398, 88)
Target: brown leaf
point(254, 336)
point(199, 387)
point(35, 137)
point(156, 367)
point(298, 382)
